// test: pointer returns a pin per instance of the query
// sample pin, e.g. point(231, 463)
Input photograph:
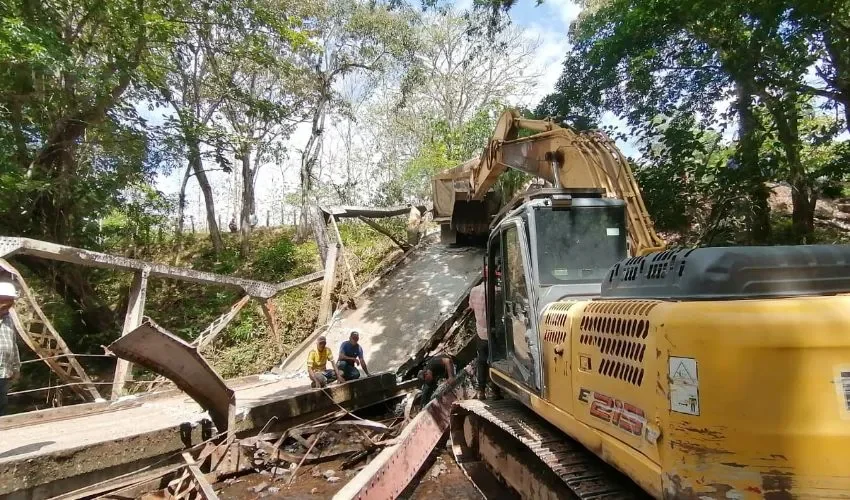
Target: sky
point(549, 22)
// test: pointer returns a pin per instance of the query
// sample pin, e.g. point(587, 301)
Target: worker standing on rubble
point(477, 303)
point(10, 360)
point(317, 362)
point(441, 366)
point(350, 354)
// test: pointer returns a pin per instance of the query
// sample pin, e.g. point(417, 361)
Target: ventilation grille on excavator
point(618, 330)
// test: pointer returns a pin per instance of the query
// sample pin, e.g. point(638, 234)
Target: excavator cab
point(551, 245)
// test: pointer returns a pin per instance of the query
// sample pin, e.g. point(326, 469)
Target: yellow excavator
point(633, 371)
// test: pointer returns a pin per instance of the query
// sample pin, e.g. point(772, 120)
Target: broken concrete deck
point(50, 457)
point(406, 309)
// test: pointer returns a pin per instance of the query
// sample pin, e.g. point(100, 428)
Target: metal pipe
point(556, 170)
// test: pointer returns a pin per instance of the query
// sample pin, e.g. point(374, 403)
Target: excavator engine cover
point(714, 372)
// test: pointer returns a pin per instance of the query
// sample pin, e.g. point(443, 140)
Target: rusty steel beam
point(396, 466)
point(38, 333)
point(373, 212)
point(24, 246)
point(158, 350)
point(211, 332)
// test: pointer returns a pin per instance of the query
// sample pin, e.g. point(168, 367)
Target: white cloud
point(548, 59)
point(566, 10)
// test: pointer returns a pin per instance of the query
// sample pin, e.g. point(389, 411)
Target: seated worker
point(351, 353)
point(441, 366)
point(317, 361)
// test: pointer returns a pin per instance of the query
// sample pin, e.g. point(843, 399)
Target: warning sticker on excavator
point(842, 386)
point(684, 385)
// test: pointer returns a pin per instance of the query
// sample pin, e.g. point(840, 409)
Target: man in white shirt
point(10, 360)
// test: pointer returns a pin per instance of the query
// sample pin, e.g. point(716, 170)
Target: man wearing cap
point(350, 354)
point(10, 361)
point(317, 362)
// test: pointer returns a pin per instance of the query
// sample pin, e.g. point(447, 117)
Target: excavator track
point(499, 443)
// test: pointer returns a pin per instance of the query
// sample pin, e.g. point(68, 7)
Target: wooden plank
point(328, 286)
point(271, 317)
point(132, 320)
point(122, 484)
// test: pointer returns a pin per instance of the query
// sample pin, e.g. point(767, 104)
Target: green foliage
point(275, 262)
point(652, 63)
point(446, 147)
point(138, 221)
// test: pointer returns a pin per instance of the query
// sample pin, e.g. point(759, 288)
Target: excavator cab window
point(579, 245)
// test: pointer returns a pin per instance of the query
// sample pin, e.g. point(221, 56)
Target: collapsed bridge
point(91, 449)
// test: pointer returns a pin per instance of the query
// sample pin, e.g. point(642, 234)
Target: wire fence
point(70, 384)
point(68, 356)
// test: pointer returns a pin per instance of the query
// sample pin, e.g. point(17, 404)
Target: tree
point(187, 85)
point(71, 140)
point(627, 61)
point(825, 25)
point(353, 37)
point(447, 112)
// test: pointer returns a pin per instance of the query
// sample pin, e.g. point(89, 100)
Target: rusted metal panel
point(155, 348)
point(11, 246)
point(395, 467)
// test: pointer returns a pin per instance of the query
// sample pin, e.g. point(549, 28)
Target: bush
point(275, 262)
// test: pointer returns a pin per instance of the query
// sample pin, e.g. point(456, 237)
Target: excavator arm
point(568, 159)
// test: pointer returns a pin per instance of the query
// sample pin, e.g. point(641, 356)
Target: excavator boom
point(565, 158)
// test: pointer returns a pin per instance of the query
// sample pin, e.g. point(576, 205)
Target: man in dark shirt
point(441, 366)
point(350, 354)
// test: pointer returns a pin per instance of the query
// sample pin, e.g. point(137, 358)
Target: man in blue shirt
point(350, 354)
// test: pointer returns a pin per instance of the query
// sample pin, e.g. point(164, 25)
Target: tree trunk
point(749, 142)
point(320, 233)
point(803, 195)
point(838, 48)
point(308, 161)
point(181, 204)
point(194, 145)
point(247, 202)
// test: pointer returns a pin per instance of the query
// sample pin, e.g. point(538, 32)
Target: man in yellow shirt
point(317, 362)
